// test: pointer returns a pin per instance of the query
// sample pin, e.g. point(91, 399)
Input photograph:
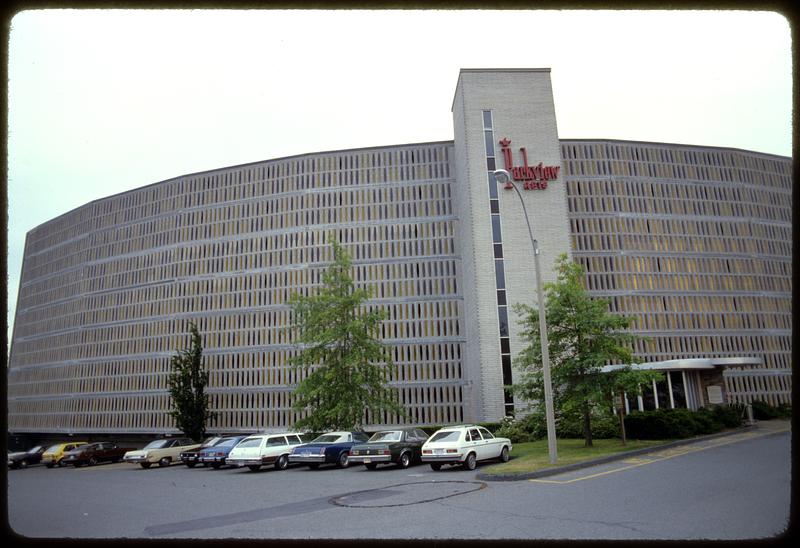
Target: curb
point(617, 456)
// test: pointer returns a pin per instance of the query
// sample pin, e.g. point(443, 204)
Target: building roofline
point(235, 166)
point(602, 140)
point(479, 70)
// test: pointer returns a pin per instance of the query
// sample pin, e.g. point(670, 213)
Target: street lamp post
point(504, 178)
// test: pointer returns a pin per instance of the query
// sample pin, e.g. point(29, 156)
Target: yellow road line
point(635, 462)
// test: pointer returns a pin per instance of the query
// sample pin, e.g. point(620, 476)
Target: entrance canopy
point(691, 364)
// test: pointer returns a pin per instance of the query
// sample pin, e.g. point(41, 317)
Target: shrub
point(604, 425)
point(515, 430)
point(678, 423)
point(730, 416)
point(763, 411)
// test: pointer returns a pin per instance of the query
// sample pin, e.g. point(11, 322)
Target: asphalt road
point(732, 488)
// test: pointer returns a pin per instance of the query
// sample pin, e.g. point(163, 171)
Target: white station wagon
point(464, 445)
point(255, 451)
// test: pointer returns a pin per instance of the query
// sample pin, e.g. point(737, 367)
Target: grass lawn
point(532, 456)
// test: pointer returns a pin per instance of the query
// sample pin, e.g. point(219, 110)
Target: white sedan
point(164, 452)
point(464, 445)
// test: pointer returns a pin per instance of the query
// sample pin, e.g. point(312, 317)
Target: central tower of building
point(503, 119)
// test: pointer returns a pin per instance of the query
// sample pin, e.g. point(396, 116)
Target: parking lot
point(737, 490)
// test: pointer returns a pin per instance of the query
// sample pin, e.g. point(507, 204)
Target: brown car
point(93, 453)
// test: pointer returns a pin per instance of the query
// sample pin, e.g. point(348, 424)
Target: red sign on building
point(533, 177)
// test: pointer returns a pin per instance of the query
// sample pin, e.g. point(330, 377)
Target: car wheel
point(60, 464)
point(371, 466)
point(145, 465)
point(504, 454)
point(191, 464)
point(164, 462)
point(22, 464)
point(435, 466)
point(405, 460)
point(254, 467)
point(92, 461)
point(344, 460)
point(282, 463)
point(471, 462)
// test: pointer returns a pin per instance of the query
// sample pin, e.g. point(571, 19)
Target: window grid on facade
point(694, 243)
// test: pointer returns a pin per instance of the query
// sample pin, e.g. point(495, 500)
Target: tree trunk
point(587, 426)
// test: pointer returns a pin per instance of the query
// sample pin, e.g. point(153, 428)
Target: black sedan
point(401, 446)
point(329, 448)
point(25, 458)
point(192, 458)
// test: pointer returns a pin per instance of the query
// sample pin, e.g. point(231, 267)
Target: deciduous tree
point(583, 337)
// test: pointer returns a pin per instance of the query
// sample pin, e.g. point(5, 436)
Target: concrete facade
point(693, 242)
point(522, 110)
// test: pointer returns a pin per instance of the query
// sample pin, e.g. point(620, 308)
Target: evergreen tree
point(347, 365)
point(583, 337)
point(187, 382)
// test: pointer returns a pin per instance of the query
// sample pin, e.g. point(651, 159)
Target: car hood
point(17, 455)
point(136, 453)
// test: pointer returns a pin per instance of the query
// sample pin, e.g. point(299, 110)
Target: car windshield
point(53, 448)
point(35, 449)
point(451, 435)
point(394, 435)
point(157, 444)
point(330, 438)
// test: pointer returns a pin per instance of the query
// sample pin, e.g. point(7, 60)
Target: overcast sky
point(104, 101)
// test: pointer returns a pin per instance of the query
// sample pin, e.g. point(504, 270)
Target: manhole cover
point(406, 494)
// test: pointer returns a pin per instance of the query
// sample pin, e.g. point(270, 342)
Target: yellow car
point(55, 453)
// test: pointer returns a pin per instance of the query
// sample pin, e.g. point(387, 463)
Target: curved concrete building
point(694, 242)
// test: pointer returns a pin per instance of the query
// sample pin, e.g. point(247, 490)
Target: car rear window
point(452, 435)
point(226, 442)
point(330, 438)
point(393, 435)
point(250, 442)
point(277, 440)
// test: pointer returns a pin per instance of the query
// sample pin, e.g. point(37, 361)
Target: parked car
point(53, 455)
point(329, 448)
point(402, 446)
point(163, 451)
point(93, 453)
point(216, 455)
point(191, 458)
point(464, 445)
point(23, 459)
point(256, 451)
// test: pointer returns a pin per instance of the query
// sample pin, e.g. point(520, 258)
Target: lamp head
point(503, 177)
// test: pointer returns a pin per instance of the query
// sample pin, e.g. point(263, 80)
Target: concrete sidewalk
point(776, 426)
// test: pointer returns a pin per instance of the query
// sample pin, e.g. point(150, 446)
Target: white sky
point(103, 101)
